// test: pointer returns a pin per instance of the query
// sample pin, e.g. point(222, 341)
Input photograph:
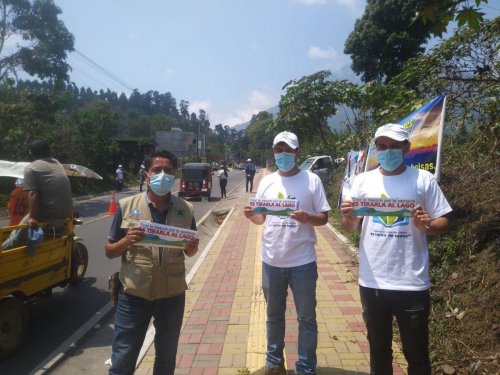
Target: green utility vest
point(143, 272)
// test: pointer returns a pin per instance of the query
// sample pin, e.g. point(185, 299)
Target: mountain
point(335, 122)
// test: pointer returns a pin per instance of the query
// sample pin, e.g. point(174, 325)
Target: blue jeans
point(411, 309)
point(302, 282)
point(132, 318)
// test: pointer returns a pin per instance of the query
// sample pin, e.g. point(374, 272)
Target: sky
point(228, 57)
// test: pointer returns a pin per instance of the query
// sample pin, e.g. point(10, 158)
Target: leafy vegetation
point(102, 129)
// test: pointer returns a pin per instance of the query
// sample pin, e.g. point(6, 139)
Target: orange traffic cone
point(112, 205)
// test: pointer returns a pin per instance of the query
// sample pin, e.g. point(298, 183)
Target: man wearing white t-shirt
point(288, 254)
point(393, 253)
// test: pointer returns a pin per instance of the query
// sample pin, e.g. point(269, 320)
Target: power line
point(82, 57)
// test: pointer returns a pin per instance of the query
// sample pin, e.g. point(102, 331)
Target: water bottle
point(134, 217)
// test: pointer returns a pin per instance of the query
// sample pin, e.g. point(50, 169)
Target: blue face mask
point(390, 159)
point(161, 183)
point(285, 161)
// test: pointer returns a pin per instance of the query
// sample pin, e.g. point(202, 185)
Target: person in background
point(18, 203)
point(120, 176)
point(152, 279)
point(142, 175)
point(49, 194)
point(393, 253)
point(48, 186)
point(288, 255)
point(222, 175)
point(250, 174)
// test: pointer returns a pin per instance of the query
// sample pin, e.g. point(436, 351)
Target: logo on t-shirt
point(284, 196)
point(391, 221)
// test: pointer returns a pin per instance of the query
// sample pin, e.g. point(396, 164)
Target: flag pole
point(440, 141)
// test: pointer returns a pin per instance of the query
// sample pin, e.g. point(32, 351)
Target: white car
point(320, 165)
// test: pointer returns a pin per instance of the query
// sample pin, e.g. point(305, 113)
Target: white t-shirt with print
point(286, 242)
point(393, 253)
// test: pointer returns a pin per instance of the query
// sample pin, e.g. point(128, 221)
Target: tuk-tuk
point(196, 181)
point(59, 260)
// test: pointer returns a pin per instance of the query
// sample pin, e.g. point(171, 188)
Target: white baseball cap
point(249, 160)
point(289, 138)
point(393, 131)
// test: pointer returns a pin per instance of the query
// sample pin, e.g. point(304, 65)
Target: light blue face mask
point(390, 159)
point(161, 183)
point(285, 161)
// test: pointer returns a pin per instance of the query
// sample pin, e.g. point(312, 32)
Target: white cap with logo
point(393, 131)
point(289, 138)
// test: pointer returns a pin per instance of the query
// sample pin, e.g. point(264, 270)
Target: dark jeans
point(119, 185)
point(223, 184)
point(132, 318)
point(411, 310)
point(249, 181)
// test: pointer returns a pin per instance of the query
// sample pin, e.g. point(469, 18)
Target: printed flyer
point(166, 235)
point(382, 207)
point(280, 207)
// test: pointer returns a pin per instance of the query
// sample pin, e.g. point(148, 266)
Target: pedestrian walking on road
point(120, 176)
point(249, 174)
point(152, 280)
point(222, 175)
point(288, 255)
point(393, 253)
point(142, 176)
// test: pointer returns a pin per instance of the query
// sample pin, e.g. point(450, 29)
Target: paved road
point(56, 319)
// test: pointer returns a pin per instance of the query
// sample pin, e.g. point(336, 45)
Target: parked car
point(196, 181)
point(241, 166)
point(320, 165)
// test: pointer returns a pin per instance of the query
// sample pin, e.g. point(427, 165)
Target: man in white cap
point(120, 176)
point(289, 256)
point(250, 174)
point(393, 253)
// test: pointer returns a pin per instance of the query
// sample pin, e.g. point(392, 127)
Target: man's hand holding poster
point(165, 235)
point(280, 207)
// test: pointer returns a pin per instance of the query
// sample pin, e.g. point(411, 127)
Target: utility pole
point(198, 140)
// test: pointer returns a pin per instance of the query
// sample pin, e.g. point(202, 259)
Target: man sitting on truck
point(49, 193)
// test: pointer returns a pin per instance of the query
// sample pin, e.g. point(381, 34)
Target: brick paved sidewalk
point(224, 323)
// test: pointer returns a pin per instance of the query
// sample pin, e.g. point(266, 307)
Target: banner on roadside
point(355, 164)
point(425, 126)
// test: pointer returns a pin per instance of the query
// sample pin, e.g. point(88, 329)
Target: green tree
point(307, 105)
point(257, 138)
point(45, 39)
point(441, 13)
point(25, 116)
point(93, 130)
point(385, 37)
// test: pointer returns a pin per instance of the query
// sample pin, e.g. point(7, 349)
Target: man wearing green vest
point(152, 279)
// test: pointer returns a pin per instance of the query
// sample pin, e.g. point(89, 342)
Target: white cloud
point(338, 63)
point(196, 105)
point(316, 53)
point(256, 101)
